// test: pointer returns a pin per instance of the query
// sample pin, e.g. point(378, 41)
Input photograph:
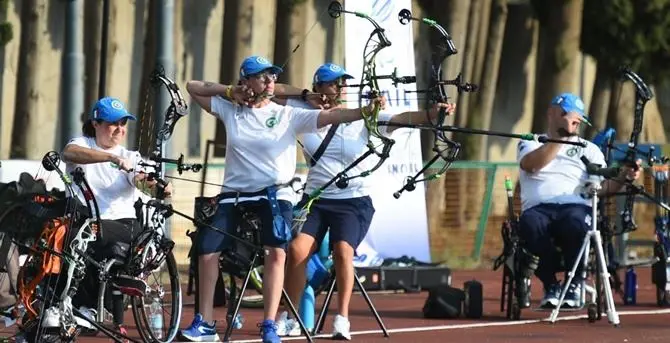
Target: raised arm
point(81, 155)
point(420, 117)
point(203, 91)
point(283, 92)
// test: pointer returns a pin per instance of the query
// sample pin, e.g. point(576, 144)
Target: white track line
point(465, 326)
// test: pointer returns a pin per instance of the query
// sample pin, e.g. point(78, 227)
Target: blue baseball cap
point(256, 64)
point(330, 72)
point(571, 103)
point(110, 110)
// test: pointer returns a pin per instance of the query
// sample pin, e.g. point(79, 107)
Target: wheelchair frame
point(508, 259)
point(152, 251)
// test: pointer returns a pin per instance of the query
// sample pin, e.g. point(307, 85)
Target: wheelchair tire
point(516, 311)
point(473, 304)
point(141, 309)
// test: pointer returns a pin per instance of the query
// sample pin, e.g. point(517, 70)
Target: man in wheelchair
point(554, 211)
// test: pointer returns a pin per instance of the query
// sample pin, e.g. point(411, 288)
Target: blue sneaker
point(269, 332)
point(551, 296)
point(573, 297)
point(200, 331)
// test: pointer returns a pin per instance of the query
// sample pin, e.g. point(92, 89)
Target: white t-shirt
point(348, 143)
point(261, 145)
point(113, 188)
point(562, 180)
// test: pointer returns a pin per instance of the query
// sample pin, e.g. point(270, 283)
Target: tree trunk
point(663, 97)
point(482, 38)
point(621, 109)
point(26, 116)
point(92, 37)
point(560, 56)
point(283, 47)
point(475, 145)
point(469, 54)
point(600, 100)
point(145, 110)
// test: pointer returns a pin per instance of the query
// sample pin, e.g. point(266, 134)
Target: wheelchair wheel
point(158, 280)
point(516, 311)
point(248, 300)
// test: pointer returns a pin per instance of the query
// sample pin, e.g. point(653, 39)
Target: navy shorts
point(347, 219)
point(210, 241)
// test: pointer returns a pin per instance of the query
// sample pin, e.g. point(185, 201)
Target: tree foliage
point(629, 32)
point(6, 30)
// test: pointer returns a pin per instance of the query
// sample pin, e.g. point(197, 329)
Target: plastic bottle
point(156, 319)
point(307, 308)
point(630, 287)
point(238, 322)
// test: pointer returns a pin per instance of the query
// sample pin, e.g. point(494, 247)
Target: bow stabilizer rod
point(522, 136)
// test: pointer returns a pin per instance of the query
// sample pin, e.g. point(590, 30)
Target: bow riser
point(642, 95)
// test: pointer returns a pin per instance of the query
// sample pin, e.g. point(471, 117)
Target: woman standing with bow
point(345, 212)
point(260, 152)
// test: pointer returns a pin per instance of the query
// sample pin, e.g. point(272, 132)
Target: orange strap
point(53, 234)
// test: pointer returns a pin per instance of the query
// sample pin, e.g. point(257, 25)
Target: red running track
point(401, 313)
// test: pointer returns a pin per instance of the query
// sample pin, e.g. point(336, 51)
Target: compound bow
point(444, 148)
point(175, 111)
point(642, 94)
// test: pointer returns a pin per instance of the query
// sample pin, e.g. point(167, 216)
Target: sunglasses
point(266, 77)
point(339, 83)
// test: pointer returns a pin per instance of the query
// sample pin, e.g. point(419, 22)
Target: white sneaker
point(88, 313)
point(341, 328)
point(287, 327)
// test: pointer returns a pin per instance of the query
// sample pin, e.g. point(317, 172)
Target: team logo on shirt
point(271, 122)
point(587, 219)
point(572, 151)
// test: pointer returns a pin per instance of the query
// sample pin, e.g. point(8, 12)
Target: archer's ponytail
point(87, 129)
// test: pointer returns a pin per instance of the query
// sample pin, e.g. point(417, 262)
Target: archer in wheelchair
point(555, 212)
point(113, 174)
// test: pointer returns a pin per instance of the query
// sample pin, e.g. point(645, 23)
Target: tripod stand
point(232, 311)
point(592, 234)
point(318, 327)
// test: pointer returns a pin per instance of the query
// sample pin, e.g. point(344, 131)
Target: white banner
point(399, 226)
point(10, 170)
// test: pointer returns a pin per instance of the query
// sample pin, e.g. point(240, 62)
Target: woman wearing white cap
point(345, 213)
point(260, 152)
point(108, 167)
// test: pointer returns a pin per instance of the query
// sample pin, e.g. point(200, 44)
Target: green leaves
point(630, 32)
point(6, 29)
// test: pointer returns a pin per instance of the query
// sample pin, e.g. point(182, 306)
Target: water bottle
point(238, 322)
point(630, 287)
point(306, 310)
point(156, 319)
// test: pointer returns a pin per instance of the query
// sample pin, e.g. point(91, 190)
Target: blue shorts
point(348, 219)
point(226, 217)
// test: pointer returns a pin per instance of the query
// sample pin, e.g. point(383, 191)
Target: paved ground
point(401, 313)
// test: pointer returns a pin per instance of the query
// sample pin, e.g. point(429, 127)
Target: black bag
point(444, 302)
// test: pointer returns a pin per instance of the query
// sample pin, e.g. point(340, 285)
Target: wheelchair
point(55, 230)
point(518, 267)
